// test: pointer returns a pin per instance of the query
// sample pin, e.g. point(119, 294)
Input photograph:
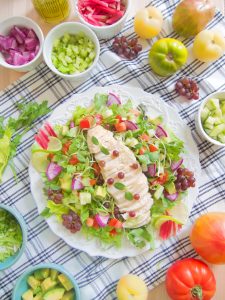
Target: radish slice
point(43, 135)
point(176, 164)
point(151, 170)
point(113, 99)
point(101, 220)
point(171, 197)
point(50, 130)
point(131, 125)
point(77, 184)
point(40, 142)
point(160, 132)
point(166, 229)
point(53, 171)
point(101, 12)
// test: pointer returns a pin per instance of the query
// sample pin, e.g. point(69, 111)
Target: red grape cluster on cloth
point(188, 88)
point(126, 48)
point(185, 179)
point(72, 221)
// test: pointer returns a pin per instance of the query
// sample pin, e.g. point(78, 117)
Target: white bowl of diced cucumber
point(210, 119)
point(46, 282)
point(71, 50)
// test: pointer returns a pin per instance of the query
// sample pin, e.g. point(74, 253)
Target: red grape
point(110, 181)
point(115, 153)
point(126, 48)
point(136, 196)
point(187, 87)
point(132, 214)
point(185, 179)
point(121, 175)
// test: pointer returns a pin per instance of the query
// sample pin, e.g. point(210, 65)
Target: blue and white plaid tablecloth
point(97, 276)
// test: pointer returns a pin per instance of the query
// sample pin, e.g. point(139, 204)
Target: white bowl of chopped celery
point(71, 50)
point(210, 119)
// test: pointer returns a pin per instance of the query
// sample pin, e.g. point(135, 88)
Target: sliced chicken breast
point(134, 180)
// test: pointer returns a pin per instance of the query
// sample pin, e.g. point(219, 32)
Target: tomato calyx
point(196, 292)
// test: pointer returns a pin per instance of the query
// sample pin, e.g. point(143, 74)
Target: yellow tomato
point(148, 22)
point(208, 46)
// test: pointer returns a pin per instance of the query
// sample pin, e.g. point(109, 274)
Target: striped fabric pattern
point(97, 276)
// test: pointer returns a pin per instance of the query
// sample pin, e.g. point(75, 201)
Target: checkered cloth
point(97, 276)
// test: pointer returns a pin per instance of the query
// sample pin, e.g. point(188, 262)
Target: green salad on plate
point(112, 172)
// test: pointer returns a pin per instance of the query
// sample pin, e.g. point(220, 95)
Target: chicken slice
point(134, 181)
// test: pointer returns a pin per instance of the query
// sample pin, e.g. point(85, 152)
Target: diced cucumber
point(132, 142)
point(213, 103)
point(85, 198)
point(205, 113)
point(158, 192)
point(217, 130)
point(210, 120)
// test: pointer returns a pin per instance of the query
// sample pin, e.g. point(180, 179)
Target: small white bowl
point(106, 32)
point(198, 122)
point(71, 28)
point(5, 27)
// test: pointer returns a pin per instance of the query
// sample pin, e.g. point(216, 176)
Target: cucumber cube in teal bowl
point(8, 262)
point(49, 281)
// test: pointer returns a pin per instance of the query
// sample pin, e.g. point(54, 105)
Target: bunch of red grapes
point(72, 221)
point(126, 48)
point(185, 179)
point(188, 88)
point(55, 195)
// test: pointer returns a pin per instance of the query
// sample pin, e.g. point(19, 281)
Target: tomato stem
point(197, 292)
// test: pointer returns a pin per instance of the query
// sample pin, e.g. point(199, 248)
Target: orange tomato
point(115, 223)
point(113, 232)
point(73, 160)
point(96, 168)
point(145, 137)
point(152, 148)
point(92, 182)
point(118, 119)
point(208, 237)
point(142, 150)
point(120, 127)
point(90, 222)
point(65, 147)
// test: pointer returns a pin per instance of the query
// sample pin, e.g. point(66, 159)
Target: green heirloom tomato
point(167, 56)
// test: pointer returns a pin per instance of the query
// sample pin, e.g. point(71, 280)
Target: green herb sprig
point(9, 137)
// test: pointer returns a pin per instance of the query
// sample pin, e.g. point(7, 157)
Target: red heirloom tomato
point(190, 279)
point(208, 237)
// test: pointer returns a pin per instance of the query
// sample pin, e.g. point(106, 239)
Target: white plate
point(154, 106)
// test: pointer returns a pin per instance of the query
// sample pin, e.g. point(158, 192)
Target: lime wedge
point(177, 214)
point(163, 219)
point(40, 161)
point(54, 144)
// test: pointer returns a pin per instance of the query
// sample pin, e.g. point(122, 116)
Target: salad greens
point(77, 194)
point(9, 136)
point(10, 235)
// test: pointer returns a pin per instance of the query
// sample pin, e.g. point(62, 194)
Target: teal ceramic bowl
point(21, 285)
point(13, 259)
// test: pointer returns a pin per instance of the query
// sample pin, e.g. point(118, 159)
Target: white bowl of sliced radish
point(210, 119)
point(106, 18)
point(21, 42)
